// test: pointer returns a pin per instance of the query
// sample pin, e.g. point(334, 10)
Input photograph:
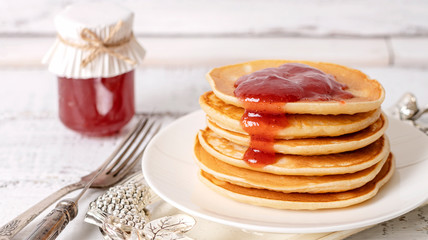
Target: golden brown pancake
point(284, 183)
point(299, 125)
point(314, 146)
point(331, 154)
point(281, 200)
point(339, 163)
point(368, 93)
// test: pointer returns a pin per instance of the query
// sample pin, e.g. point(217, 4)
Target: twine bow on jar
point(99, 46)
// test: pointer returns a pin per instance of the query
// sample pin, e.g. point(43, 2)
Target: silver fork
point(126, 155)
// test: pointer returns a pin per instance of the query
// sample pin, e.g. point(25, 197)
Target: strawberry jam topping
point(264, 93)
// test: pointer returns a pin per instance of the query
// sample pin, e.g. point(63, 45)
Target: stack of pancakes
point(332, 154)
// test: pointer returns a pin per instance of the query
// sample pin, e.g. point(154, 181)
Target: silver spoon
point(408, 110)
point(421, 128)
point(420, 113)
point(407, 107)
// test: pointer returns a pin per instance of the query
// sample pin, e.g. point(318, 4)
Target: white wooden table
point(388, 41)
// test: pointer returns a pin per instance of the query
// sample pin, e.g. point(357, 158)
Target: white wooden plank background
point(363, 32)
point(362, 18)
point(219, 51)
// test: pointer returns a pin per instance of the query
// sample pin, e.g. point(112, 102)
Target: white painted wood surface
point(224, 50)
point(386, 39)
point(368, 18)
point(363, 32)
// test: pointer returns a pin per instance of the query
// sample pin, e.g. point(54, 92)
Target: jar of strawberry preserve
point(94, 57)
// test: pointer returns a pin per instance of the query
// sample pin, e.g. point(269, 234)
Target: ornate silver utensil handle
point(55, 221)
point(15, 225)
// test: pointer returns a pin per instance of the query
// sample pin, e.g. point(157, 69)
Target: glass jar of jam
point(96, 106)
point(94, 58)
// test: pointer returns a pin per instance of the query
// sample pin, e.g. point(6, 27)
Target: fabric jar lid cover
point(95, 39)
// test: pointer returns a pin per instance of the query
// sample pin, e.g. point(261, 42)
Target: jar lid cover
point(95, 39)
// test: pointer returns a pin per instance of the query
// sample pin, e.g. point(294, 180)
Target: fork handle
point(10, 229)
point(52, 225)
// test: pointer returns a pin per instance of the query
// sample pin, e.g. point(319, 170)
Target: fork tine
point(123, 148)
point(123, 143)
point(140, 153)
point(142, 143)
point(120, 162)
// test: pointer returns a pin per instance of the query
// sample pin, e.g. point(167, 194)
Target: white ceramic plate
point(170, 170)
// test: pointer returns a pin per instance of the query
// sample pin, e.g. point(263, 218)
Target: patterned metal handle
point(52, 225)
point(10, 229)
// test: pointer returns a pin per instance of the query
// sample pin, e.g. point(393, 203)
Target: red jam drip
point(262, 128)
point(96, 106)
point(263, 94)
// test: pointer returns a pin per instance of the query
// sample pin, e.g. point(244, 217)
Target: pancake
point(368, 93)
point(299, 125)
point(339, 163)
point(314, 146)
point(284, 183)
point(281, 200)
